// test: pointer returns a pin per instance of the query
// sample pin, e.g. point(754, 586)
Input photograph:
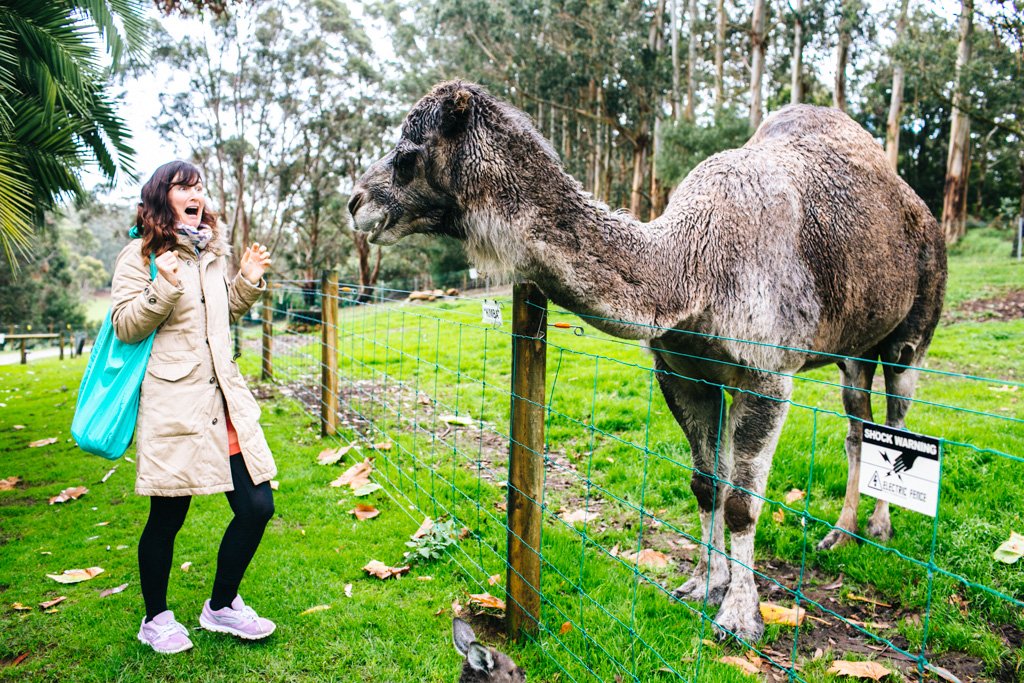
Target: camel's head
point(459, 163)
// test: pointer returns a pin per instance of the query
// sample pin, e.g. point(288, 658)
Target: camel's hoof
point(835, 539)
point(696, 589)
point(880, 529)
point(747, 625)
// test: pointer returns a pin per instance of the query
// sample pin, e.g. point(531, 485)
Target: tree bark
point(756, 62)
point(691, 63)
point(954, 200)
point(639, 161)
point(842, 53)
point(720, 19)
point(892, 126)
point(796, 88)
point(655, 185)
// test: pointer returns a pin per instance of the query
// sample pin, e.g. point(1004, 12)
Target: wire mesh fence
point(425, 389)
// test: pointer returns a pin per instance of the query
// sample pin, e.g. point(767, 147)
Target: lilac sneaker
point(236, 619)
point(164, 634)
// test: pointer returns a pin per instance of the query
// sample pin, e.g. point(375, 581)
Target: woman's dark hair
point(155, 218)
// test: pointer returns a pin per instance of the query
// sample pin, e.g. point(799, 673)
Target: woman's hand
point(255, 261)
point(167, 266)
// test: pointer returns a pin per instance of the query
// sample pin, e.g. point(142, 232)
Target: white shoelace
point(169, 629)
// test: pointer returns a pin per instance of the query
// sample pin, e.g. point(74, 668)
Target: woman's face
point(187, 202)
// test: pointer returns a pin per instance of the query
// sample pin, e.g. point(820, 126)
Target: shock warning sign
point(900, 467)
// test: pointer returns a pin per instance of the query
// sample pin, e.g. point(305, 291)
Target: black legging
point(253, 507)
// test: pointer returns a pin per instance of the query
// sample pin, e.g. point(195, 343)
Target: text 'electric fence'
point(594, 523)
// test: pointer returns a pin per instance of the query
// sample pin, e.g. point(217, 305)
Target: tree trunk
point(954, 200)
point(655, 185)
point(892, 126)
point(639, 162)
point(796, 87)
point(691, 63)
point(598, 144)
point(721, 19)
point(654, 38)
point(756, 62)
point(675, 26)
point(842, 52)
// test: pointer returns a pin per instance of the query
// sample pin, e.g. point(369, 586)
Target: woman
point(198, 427)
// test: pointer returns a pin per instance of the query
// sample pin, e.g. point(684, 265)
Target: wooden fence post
point(267, 372)
point(526, 457)
point(329, 353)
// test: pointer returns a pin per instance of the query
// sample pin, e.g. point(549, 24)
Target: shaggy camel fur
point(769, 260)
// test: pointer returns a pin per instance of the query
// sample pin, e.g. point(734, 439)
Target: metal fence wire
point(619, 527)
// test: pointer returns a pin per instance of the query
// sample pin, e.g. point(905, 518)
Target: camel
point(786, 254)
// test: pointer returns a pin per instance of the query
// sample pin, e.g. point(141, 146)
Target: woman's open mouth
point(192, 211)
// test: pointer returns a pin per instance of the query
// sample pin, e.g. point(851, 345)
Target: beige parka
point(181, 435)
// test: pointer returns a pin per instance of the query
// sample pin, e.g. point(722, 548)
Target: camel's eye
point(405, 166)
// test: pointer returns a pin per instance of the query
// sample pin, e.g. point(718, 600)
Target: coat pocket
point(173, 371)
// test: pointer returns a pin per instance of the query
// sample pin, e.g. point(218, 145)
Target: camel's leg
point(698, 410)
point(899, 387)
point(856, 378)
point(755, 422)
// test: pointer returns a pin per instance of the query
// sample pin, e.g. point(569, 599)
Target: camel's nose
point(355, 201)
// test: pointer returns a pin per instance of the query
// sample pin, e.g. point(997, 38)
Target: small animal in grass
point(483, 664)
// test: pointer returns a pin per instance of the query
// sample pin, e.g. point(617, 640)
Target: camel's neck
point(605, 266)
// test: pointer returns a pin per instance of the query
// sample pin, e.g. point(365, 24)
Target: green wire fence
point(592, 522)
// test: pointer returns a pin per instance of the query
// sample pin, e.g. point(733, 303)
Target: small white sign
point(492, 313)
point(901, 467)
point(473, 274)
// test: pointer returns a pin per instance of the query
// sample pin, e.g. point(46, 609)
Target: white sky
point(152, 149)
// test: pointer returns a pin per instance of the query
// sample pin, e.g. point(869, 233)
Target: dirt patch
point(823, 631)
point(1009, 306)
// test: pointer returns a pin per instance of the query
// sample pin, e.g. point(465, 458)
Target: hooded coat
point(181, 435)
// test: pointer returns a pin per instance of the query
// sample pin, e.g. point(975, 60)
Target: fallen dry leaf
point(579, 516)
point(424, 578)
point(186, 566)
point(1011, 549)
point(348, 590)
point(330, 456)
point(9, 483)
point(50, 603)
point(382, 571)
point(17, 428)
point(648, 558)
point(838, 583)
point(364, 512)
point(356, 476)
point(43, 442)
point(458, 420)
point(779, 515)
point(424, 529)
point(76, 575)
point(20, 607)
point(457, 608)
point(740, 662)
point(107, 592)
point(423, 399)
point(872, 670)
point(783, 616)
point(366, 489)
point(793, 495)
point(73, 493)
point(109, 474)
point(486, 600)
point(382, 446)
point(317, 608)
point(494, 579)
point(861, 598)
point(566, 627)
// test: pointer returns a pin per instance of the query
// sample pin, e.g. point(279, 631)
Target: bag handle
point(135, 232)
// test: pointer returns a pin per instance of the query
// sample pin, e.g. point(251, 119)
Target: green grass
point(616, 449)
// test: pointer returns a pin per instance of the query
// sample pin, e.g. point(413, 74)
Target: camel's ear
point(462, 636)
point(455, 109)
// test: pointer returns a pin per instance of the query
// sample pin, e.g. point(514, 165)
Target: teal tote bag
point(108, 399)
